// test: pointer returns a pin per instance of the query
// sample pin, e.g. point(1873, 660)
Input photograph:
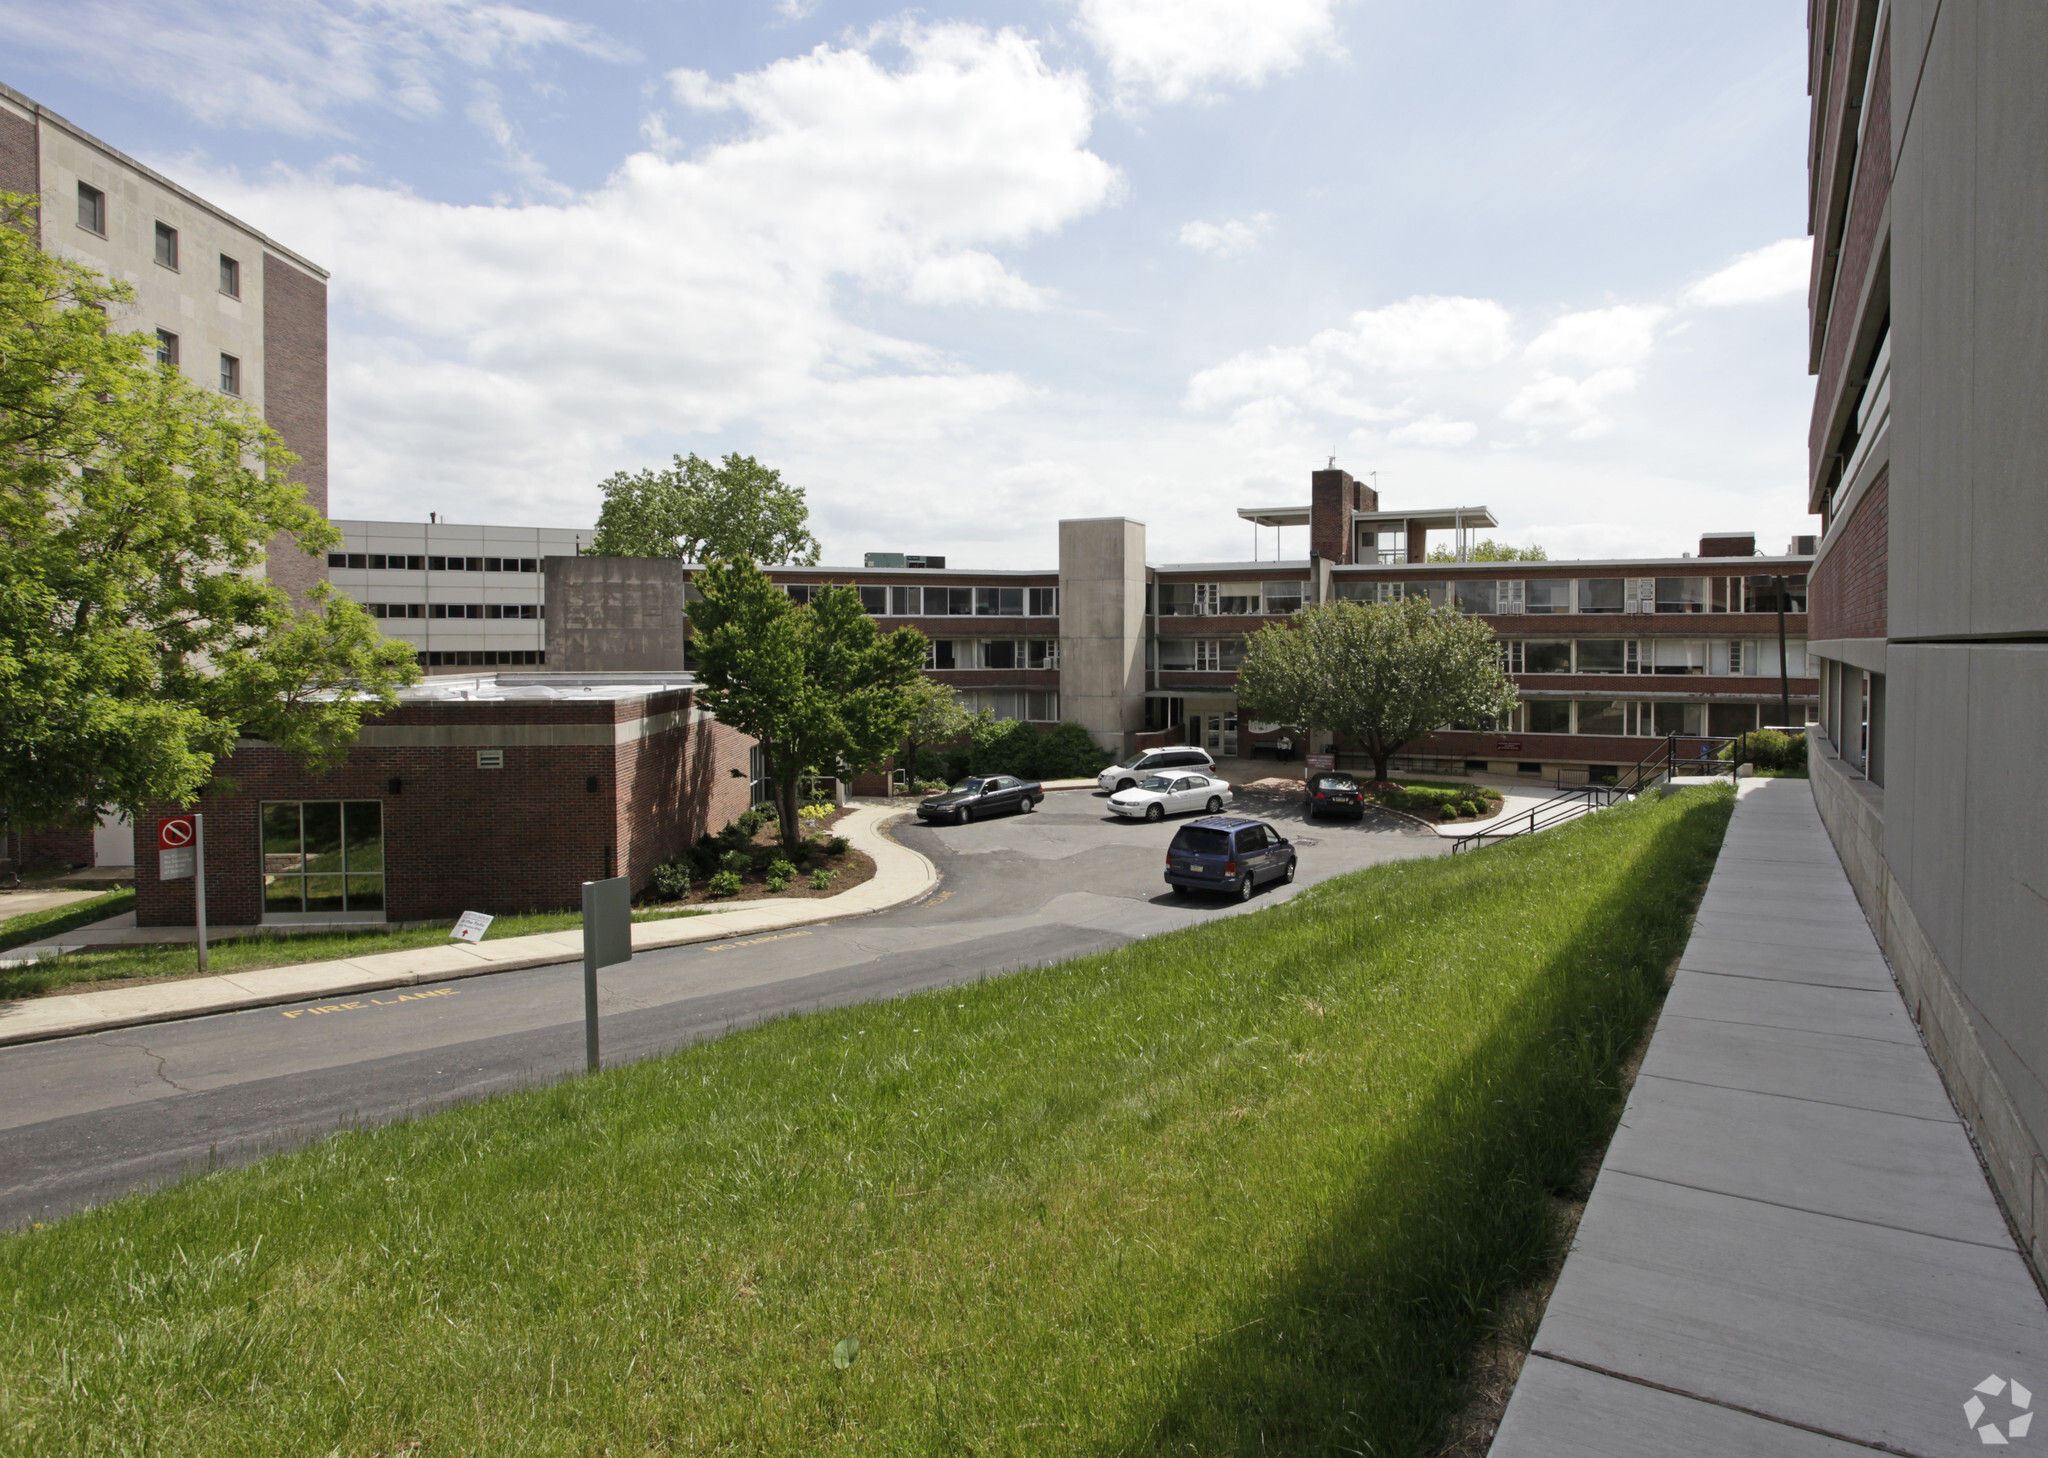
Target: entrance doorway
point(1219, 734)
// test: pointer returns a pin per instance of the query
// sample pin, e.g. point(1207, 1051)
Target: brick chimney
point(1334, 495)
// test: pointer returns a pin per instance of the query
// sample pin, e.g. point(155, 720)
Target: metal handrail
point(1659, 765)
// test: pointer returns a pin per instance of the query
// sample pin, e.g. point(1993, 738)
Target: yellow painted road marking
point(334, 1007)
point(756, 941)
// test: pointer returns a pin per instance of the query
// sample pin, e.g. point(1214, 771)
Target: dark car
point(980, 796)
point(1227, 853)
point(1332, 792)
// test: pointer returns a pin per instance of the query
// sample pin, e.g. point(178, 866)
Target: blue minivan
point(1228, 853)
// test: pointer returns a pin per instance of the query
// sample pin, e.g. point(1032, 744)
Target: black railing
point(1677, 757)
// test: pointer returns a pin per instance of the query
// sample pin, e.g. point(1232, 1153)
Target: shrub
point(821, 879)
point(1447, 812)
point(765, 813)
point(725, 883)
point(672, 879)
point(780, 869)
point(818, 812)
point(1066, 753)
point(735, 863)
point(836, 846)
point(1770, 749)
point(776, 884)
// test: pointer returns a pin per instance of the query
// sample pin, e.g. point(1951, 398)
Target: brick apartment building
point(232, 309)
point(1609, 656)
point(1928, 205)
point(500, 793)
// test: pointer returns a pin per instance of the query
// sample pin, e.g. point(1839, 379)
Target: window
point(1731, 719)
point(999, 653)
point(1602, 655)
point(1006, 602)
point(906, 602)
point(801, 592)
point(874, 601)
point(1542, 655)
point(1476, 597)
point(1668, 718)
point(1043, 602)
point(322, 856)
point(1042, 653)
point(1602, 594)
point(1176, 599)
point(1207, 660)
point(1547, 595)
point(938, 653)
point(1176, 655)
point(1039, 706)
point(1681, 594)
point(1676, 655)
point(1762, 594)
point(1207, 597)
point(1285, 597)
point(230, 375)
point(166, 245)
point(230, 277)
point(166, 348)
point(1239, 599)
point(1602, 716)
point(1435, 593)
point(92, 209)
point(1549, 716)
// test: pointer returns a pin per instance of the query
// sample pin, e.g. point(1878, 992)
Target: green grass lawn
point(1250, 1188)
point(79, 970)
point(52, 922)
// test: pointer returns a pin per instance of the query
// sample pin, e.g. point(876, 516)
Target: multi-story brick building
point(1609, 656)
point(1928, 456)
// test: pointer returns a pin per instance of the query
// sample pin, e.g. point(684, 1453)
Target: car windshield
point(971, 787)
point(1157, 782)
point(1335, 782)
point(1196, 841)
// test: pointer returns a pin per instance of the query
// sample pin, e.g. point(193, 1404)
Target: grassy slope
point(245, 954)
point(1248, 1188)
point(53, 921)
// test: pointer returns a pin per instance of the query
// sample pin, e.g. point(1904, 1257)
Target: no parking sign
point(176, 855)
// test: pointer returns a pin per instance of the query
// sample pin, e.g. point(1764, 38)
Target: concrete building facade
point(234, 310)
point(1929, 468)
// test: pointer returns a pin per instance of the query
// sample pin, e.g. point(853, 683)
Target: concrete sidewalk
point(900, 875)
point(1791, 1247)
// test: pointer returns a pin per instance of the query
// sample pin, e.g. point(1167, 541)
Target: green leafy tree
point(1375, 675)
point(1490, 551)
point(936, 717)
point(815, 684)
point(138, 636)
point(705, 513)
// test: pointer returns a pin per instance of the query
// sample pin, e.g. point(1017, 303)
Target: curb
point(271, 986)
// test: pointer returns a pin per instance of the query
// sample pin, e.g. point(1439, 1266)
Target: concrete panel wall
point(1102, 627)
point(614, 614)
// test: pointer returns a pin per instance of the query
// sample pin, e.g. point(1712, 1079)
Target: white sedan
point(1163, 795)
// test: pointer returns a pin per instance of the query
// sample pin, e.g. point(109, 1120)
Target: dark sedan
point(981, 796)
point(1331, 792)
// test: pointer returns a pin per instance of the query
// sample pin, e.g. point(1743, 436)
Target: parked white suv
point(1151, 762)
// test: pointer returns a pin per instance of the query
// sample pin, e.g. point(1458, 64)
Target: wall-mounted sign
point(1508, 746)
point(176, 857)
point(471, 926)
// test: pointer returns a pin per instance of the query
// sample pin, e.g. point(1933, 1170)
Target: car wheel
point(1180, 890)
point(965, 815)
point(1029, 804)
point(1215, 804)
point(1155, 812)
point(1288, 879)
point(1245, 888)
point(1122, 785)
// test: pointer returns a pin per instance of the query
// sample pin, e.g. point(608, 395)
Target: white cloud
point(1171, 50)
point(1229, 238)
point(1600, 338)
point(1560, 400)
point(1773, 272)
point(508, 355)
point(1434, 430)
point(291, 65)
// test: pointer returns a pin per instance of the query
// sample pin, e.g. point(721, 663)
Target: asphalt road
point(85, 1119)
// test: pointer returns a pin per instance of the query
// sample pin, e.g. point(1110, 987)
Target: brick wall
point(70, 846)
point(1333, 496)
point(20, 163)
point(1848, 587)
point(295, 398)
point(1861, 245)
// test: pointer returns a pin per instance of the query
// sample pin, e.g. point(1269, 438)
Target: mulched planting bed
point(849, 870)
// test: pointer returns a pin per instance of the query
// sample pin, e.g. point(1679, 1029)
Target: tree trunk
point(1381, 753)
point(787, 803)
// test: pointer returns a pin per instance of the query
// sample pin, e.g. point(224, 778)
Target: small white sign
point(175, 865)
point(471, 926)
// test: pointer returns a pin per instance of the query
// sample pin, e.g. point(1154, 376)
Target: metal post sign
point(607, 940)
point(176, 856)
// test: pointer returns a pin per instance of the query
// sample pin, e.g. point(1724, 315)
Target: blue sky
point(965, 269)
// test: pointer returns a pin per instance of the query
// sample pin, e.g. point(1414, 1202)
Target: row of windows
point(380, 562)
point(1224, 599)
point(1195, 655)
point(1630, 717)
point(230, 367)
point(1652, 655)
point(483, 658)
point(487, 611)
point(92, 216)
point(1537, 596)
point(946, 602)
point(1038, 706)
point(992, 653)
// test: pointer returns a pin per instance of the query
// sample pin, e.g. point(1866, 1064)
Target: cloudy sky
point(965, 269)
